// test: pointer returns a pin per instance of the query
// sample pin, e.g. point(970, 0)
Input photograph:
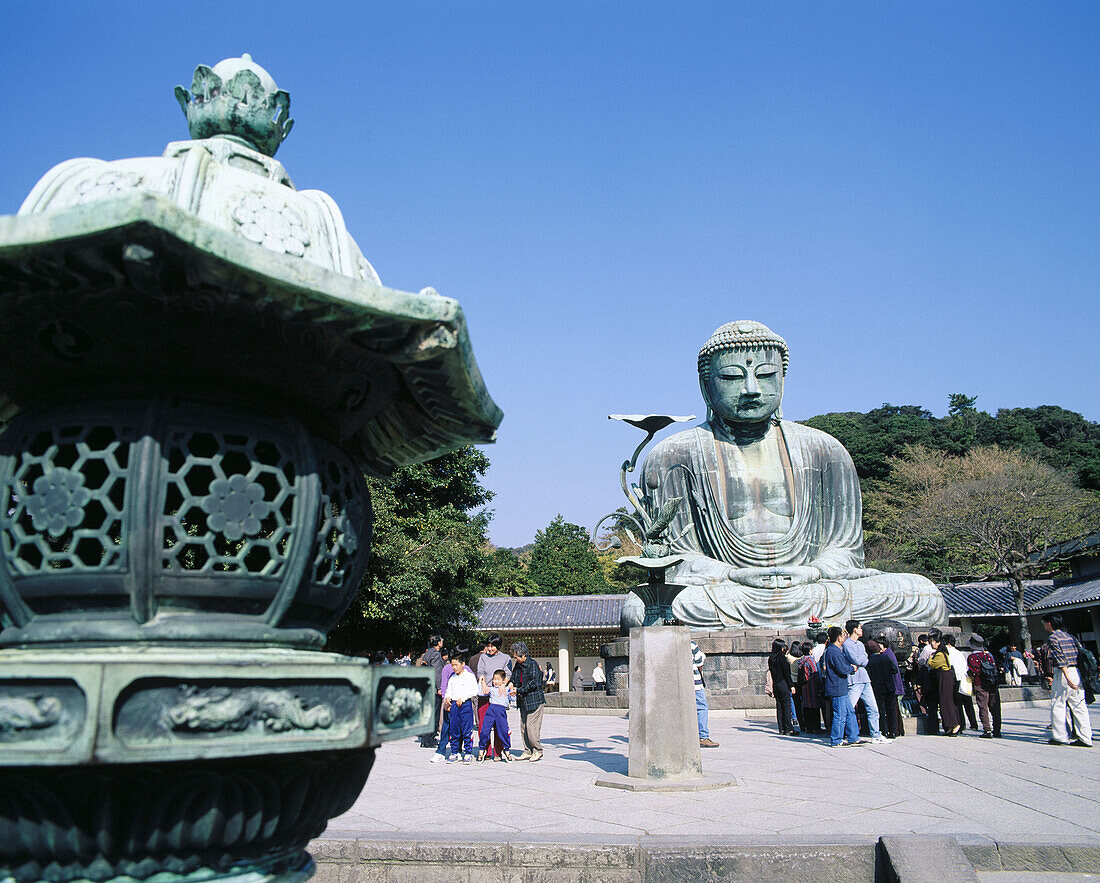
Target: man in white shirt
point(598, 677)
point(820, 643)
point(859, 683)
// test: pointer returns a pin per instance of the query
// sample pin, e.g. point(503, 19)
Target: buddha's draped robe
point(818, 524)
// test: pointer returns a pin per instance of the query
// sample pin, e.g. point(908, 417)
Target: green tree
point(564, 562)
point(959, 405)
point(961, 424)
point(993, 513)
point(428, 564)
point(505, 575)
point(1060, 438)
point(873, 438)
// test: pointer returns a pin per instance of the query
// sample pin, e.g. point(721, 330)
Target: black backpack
point(1086, 667)
point(990, 673)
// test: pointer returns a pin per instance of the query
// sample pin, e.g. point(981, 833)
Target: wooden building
point(565, 630)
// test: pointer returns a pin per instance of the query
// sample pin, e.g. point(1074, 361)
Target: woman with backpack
point(983, 671)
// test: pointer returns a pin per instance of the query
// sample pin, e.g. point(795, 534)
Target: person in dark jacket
point(433, 658)
point(809, 684)
point(897, 721)
point(794, 657)
point(782, 686)
point(527, 680)
point(835, 668)
point(882, 670)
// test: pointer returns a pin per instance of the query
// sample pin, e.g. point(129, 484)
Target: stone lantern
point(197, 366)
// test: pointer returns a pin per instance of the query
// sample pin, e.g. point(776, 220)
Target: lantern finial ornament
point(239, 98)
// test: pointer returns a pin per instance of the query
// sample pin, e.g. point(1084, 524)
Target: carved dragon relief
point(18, 713)
point(400, 704)
point(224, 708)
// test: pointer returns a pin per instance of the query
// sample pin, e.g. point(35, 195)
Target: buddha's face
point(745, 386)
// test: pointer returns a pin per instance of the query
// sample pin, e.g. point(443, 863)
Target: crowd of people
point(841, 686)
point(845, 683)
point(473, 696)
point(818, 686)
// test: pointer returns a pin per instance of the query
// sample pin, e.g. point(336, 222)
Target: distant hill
point(520, 552)
point(1062, 438)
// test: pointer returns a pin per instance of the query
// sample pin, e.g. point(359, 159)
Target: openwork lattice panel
point(229, 504)
point(175, 520)
point(64, 492)
point(344, 521)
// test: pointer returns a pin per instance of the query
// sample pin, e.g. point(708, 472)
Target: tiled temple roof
point(551, 612)
point(991, 598)
point(974, 599)
point(1081, 592)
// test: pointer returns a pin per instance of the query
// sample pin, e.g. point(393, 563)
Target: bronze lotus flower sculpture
point(652, 523)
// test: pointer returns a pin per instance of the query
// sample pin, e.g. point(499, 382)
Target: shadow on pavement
point(610, 761)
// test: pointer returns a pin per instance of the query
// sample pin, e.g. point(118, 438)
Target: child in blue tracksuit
point(496, 715)
point(461, 689)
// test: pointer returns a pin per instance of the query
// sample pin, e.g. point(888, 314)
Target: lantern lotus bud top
point(237, 97)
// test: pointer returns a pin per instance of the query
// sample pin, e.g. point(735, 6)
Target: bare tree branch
point(992, 513)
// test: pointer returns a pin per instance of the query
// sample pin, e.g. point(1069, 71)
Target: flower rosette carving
point(235, 507)
point(57, 500)
point(106, 185)
point(270, 222)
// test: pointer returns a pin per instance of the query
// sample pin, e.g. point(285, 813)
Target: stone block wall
point(567, 858)
point(735, 670)
point(591, 699)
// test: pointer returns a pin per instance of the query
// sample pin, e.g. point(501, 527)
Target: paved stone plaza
point(1013, 787)
point(963, 809)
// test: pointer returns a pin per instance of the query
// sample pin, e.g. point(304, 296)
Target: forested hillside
point(1063, 439)
point(972, 495)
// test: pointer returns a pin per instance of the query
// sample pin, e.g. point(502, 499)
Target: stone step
point(445, 858)
point(1034, 877)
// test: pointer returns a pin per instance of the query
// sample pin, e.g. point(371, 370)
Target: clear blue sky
point(908, 192)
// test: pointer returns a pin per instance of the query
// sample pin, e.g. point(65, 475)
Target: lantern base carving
point(197, 819)
point(198, 762)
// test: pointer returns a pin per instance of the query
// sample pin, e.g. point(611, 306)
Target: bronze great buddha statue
point(769, 523)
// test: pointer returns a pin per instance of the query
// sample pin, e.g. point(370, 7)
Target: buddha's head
point(741, 371)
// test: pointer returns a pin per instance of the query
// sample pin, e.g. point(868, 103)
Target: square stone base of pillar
point(630, 783)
